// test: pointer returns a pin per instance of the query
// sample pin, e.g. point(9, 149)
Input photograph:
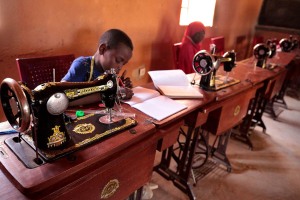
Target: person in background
point(114, 51)
point(193, 35)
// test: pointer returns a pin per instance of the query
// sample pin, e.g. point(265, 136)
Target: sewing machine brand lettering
point(73, 93)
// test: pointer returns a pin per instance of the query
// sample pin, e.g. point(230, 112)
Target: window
point(197, 10)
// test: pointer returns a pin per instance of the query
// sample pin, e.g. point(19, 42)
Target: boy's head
point(115, 49)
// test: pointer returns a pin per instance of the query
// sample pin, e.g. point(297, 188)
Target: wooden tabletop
point(56, 173)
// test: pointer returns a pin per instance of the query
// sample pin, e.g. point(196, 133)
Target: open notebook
point(174, 84)
point(153, 104)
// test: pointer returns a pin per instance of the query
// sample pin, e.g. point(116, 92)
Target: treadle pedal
point(201, 172)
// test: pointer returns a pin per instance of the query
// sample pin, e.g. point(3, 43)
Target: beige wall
point(45, 27)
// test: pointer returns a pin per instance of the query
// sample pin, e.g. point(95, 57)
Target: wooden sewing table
point(218, 112)
point(110, 169)
point(119, 165)
point(273, 84)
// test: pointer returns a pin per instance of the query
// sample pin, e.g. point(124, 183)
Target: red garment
point(188, 48)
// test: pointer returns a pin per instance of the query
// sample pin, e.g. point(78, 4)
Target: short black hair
point(114, 37)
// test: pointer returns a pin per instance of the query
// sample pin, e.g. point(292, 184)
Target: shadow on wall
point(161, 52)
point(85, 42)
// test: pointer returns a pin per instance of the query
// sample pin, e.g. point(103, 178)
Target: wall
point(35, 28)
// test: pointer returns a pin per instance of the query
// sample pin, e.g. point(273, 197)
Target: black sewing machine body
point(207, 65)
point(262, 52)
point(50, 100)
point(39, 116)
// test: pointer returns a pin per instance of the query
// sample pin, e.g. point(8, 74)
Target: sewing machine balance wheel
point(261, 51)
point(15, 105)
point(203, 62)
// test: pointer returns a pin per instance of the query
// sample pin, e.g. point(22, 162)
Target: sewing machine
point(272, 44)
point(44, 128)
point(288, 44)
point(207, 65)
point(262, 52)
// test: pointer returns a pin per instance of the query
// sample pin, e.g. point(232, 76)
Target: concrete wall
point(35, 28)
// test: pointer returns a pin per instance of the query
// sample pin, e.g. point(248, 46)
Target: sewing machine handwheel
point(261, 51)
point(202, 150)
point(285, 45)
point(203, 62)
point(13, 95)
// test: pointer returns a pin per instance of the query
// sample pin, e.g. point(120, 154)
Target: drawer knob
point(110, 188)
point(237, 110)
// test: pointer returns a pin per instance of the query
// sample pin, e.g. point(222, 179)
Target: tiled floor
point(270, 171)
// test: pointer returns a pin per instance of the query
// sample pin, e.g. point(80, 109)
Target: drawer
point(168, 135)
point(196, 119)
point(115, 180)
point(229, 112)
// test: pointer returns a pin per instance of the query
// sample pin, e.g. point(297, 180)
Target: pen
point(121, 82)
point(8, 132)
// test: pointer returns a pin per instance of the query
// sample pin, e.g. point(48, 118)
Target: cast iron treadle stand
point(242, 131)
point(219, 152)
point(183, 158)
point(260, 107)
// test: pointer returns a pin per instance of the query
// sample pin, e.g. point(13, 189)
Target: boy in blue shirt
point(114, 50)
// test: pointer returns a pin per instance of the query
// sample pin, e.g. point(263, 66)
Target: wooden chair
point(35, 71)
point(241, 47)
point(205, 44)
point(256, 40)
point(220, 44)
point(176, 50)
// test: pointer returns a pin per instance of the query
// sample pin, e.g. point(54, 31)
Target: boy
point(114, 50)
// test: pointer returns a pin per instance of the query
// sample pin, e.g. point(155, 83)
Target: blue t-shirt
point(80, 70)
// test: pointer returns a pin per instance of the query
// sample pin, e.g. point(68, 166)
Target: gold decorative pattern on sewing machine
point(85, 128)
point(128, 122)
point(44, 86)
point(74, 93)
point(27, 90)
point(237, 110)
point(57, 139)
point(81, 140)
point(110, 188)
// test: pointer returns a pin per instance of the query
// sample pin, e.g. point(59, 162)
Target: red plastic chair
point(257, 39)
point(35, 71)
point(241, 47)
point(220, 44)
point(176, 50)
point(205, 44)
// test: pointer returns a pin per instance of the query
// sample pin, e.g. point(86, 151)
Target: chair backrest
point(205, 44)
point(35, 71)
point(176, 51)
point(257, 39)
point(241, 47)
point(220, 44)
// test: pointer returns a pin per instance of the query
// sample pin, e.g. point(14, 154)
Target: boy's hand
point(126, 93)
point(126, 81)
